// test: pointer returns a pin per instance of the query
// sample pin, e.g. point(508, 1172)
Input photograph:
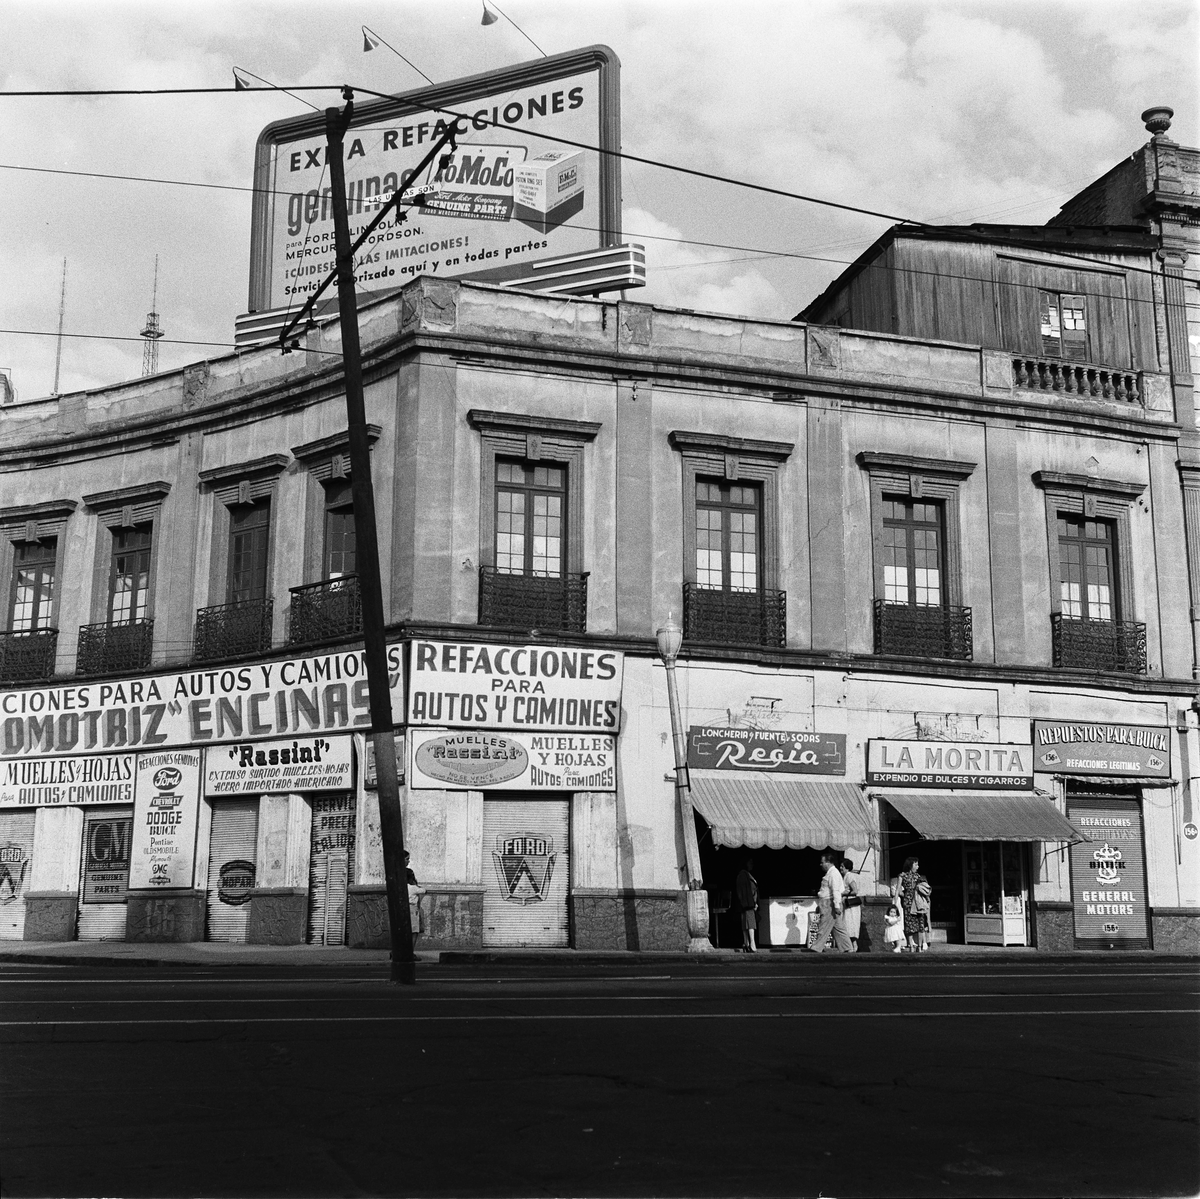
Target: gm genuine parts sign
point(526, 180)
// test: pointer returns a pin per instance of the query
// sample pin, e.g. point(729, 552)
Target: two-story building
point(928, 547)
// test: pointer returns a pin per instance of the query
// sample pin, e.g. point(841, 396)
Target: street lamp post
point(670, 638)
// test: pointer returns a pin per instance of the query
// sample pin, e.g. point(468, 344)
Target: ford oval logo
point(168, 778)
point(472, 760)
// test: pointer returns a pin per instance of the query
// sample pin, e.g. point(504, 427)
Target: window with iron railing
point(912, 617)
point(529, 586)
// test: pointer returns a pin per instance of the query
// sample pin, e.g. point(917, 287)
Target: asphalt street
point(914, 1077)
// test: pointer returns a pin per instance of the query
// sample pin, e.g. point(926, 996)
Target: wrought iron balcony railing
point(734, 617)
point(231, 630)
point(1070, 378)
point(26, 657)
point(325, 611)
point(114, 648)
point(1118, 645)
point(533, 601)
point(916, 631)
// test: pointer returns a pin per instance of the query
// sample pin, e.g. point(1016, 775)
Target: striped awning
point(776, 813)
point(984, 816)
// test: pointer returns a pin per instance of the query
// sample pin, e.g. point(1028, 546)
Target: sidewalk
point(219, 955)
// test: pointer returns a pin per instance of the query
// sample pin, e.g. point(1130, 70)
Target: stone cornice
point(270, 464)
point(140, 493)
point(717, 443)
point(1053, 480)
point(908, 464)
point(517, 422)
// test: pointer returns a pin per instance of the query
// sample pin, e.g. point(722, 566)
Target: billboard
point(976, 765)
point(1078, 747)
point(481, 760)
point(532, 688)
point(784, 751)
point(165, 819)
point(325, 693)
point(516, 189)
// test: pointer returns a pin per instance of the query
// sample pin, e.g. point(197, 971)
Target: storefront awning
point(986, 816)
point(776, 813)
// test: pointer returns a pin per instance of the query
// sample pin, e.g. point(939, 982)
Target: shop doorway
point(16, 862)
point(526, 868)
point(231, 868)
point(780, 872)
point(941, 862)
point(104, 874)
point(330, 867)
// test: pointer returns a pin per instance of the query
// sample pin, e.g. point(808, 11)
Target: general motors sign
point(979, 766)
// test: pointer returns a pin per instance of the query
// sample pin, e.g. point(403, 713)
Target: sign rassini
point(473, 760)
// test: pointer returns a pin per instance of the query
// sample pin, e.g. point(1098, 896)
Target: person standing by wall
point(851, 918)
point(914, 898)
point(829, 903)
point(746, 887)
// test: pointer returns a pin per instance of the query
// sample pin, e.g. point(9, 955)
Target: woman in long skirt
point(851, 917)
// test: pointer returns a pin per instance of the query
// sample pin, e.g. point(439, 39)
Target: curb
point(765, 960)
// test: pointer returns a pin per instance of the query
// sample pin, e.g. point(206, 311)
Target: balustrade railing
point(232, 630)
point(27, 656)
point(1070, 378)
point(114, 648)
point(734, 617)
point(916, 631)
point(325, 611)
point(1118, 645)
point(518, 601)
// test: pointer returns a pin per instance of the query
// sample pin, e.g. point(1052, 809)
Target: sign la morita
point(526, 179)
point(970, 764)
point(297, 696)
point(533, 688)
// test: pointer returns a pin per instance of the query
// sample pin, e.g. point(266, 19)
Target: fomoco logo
point(524, 866)
point(168, 778)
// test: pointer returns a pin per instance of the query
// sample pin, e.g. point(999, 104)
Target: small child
point(893, 934)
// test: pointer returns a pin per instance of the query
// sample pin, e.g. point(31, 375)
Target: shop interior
point(778, 871)
point(980, 889)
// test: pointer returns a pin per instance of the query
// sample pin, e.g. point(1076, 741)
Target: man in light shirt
point(829, 903)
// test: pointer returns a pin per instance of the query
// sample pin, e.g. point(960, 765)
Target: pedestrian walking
point(915, 893)
point(851, 917)
point(829, 903)
point(746, 888)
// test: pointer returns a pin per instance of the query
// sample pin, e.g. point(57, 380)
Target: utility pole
point(62, 312)
point(391, 823)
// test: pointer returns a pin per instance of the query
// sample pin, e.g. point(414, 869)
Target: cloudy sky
point(938, 111)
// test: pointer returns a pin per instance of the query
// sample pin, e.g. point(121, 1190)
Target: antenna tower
point(152, 332)
point(62, 312)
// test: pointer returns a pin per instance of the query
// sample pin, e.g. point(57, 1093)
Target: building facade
point(934, 590)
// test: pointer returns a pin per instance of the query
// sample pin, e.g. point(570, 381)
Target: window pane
point(1050, 327)
point(33, 585)
point(130, 579)
point(1071, 605)
point(895, 585)
point(340, 543)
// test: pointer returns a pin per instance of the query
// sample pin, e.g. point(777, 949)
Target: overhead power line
point(231, 89)
point(166, 341)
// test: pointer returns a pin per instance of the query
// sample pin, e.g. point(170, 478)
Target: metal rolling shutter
point(234, 838)
point(106, 839)
point(329, 868)
point(526, 867)
point(16, 865)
